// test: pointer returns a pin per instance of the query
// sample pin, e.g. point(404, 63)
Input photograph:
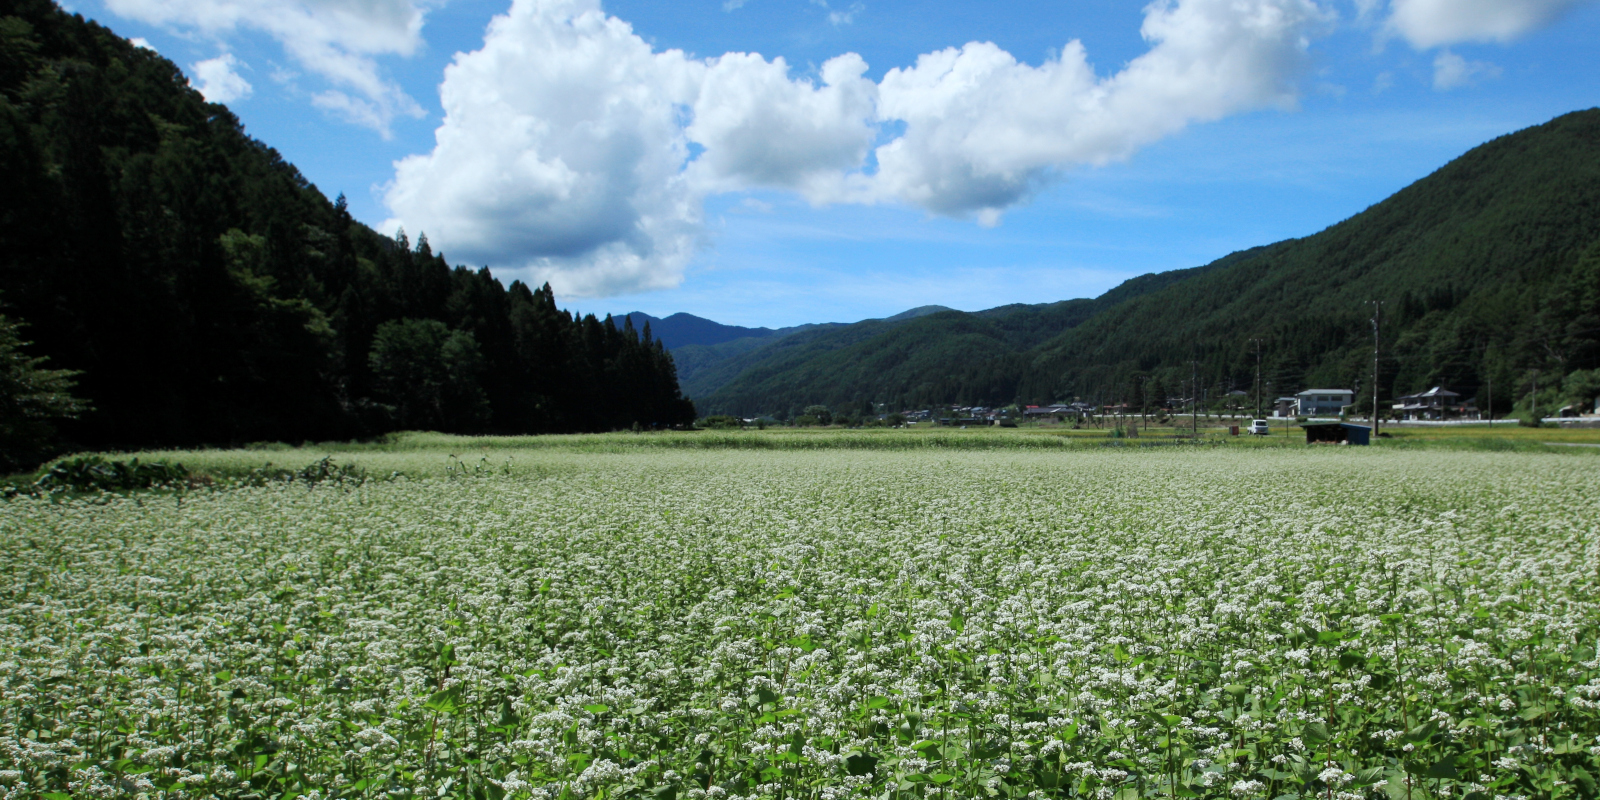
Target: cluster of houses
point(1437, 403)
point(1058, 411)
point(984, 415)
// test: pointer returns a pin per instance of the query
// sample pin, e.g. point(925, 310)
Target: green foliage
point(205, 292)
point(429, 374)
point(96, 474)
point(820, 413)
point(1581, 387)
point(32, 400)
point(322, 471)
point(719, 422)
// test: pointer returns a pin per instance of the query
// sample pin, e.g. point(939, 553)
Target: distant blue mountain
point(682, 329)
point(685, 329)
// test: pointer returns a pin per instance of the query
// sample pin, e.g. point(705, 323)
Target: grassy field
point(419, 453)
point(605, 618)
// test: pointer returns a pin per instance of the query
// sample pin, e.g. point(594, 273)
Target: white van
point(1258, 428)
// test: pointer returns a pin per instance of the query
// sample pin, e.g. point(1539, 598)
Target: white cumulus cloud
point(561, 152)
point(1451, 71)
point(219, 80)
point(574, 152)
point(760, 128)
point(335, 39)
point(983, 131)
point(1434, 23)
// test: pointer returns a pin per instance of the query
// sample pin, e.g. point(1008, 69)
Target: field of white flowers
point(1246, 624)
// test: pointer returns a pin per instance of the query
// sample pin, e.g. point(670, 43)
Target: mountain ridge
point(1489, 266)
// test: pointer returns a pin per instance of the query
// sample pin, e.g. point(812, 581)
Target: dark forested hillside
point(917, 358)
point(207, 293)
point(1488, 271)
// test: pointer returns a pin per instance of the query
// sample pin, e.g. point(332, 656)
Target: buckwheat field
point(1232, 624)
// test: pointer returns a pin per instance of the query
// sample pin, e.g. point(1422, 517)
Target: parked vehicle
point(1258, 428)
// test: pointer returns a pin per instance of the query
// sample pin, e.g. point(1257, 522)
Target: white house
point(1313, 402)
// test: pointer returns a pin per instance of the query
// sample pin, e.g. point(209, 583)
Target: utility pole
point(1533, 402)
point(1194, 397)
point(1489, 383)
point(1377, 309)
point(1258, 378)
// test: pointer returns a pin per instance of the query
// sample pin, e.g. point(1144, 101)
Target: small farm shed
point(1338, 432)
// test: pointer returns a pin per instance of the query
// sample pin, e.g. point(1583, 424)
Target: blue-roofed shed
point(1337, 433)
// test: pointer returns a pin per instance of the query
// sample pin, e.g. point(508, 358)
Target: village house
point(1313, 402)
point(1436, 403)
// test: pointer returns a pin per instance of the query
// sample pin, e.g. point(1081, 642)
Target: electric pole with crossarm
point(1377, 309)
point(1258, 378)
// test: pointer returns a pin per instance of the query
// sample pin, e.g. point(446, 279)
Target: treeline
point(1488, 271)
point(207, 293)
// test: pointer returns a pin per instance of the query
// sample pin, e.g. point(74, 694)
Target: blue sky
point(1084, 143)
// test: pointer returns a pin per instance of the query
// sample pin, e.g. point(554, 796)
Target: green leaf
point(667, 792)
point(1315, 733)
point(1369, 776)
point(1585, 781)
point(941, 778)
point(860, 764)
point(958, 622)
point(597, 708)
point(55, 796)
point(447, 701)
point(1444, 769)
point(1423, 732)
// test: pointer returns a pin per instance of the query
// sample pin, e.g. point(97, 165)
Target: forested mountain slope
point(1489, 270)
point(910, 359)
point(208, 293)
